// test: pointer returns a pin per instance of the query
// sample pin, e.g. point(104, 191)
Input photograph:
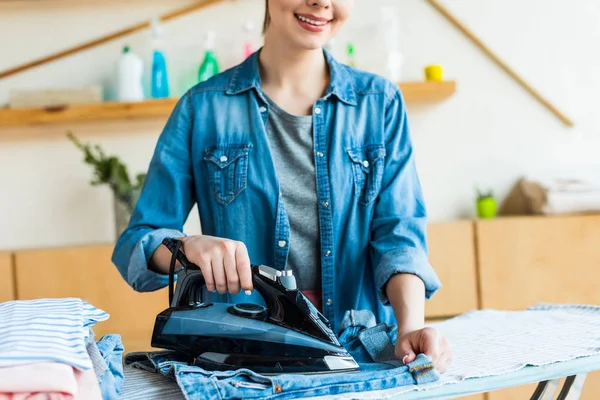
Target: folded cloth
point(559, 193)
point(47, 377)
point(48, 380)
point(47, 330)
point(87, 386)
point(369, 344)
point(35, 396)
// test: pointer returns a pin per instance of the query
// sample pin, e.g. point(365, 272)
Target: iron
point(287, 335)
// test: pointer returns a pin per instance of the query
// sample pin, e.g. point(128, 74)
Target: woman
point(295, 161)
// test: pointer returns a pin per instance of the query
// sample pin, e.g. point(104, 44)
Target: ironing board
point(548, 343)
point(547, 378)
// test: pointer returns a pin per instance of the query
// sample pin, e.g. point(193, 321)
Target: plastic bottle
point(160, 77)
point(248, 43)
point(210, 65)
point(389, 28)
point(351, 55)
point(130, 72)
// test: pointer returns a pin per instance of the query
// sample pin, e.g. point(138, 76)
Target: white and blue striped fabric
point(46, 330)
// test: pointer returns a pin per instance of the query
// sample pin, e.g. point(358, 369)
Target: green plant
point(109, 170)
point(484, 195)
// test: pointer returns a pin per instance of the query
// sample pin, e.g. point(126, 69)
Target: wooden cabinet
point(7, 282)
point(88, 273)
point(528, 260)
point(452, 254)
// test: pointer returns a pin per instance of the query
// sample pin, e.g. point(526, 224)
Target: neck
point(288, 68)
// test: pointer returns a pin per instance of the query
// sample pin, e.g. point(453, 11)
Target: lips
point(312, 23)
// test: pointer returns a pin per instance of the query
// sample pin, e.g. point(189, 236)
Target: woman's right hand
point(224, 263)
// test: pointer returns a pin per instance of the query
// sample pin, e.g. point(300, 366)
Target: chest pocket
point(367, 166)
point(227, 170)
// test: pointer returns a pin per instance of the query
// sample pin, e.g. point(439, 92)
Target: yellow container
point(434, 73)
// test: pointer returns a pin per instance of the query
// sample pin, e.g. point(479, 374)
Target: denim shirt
point(214, 152)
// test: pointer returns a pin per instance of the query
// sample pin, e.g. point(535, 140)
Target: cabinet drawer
point(452, 254)
point(528, 260)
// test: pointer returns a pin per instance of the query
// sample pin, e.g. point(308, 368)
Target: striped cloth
point(47, 330)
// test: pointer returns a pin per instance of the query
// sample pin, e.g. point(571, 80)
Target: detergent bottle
point(210, 65)
point(160, 77)
point(249, 42)
point(130, 71)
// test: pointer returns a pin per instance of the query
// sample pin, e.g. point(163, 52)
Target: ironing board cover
point(492, 350)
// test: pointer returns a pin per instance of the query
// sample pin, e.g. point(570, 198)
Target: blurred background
point(485, 136)
point(502, 108)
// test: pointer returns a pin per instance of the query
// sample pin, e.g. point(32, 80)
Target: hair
point(267, 17)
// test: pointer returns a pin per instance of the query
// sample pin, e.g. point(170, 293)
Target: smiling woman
point(310, 170)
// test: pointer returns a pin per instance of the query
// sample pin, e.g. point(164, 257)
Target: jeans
point(106, 355)
point(371, 345)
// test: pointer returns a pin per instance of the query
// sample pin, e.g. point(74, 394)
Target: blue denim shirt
point(214, 152)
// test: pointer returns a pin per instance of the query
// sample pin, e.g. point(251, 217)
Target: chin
point(310, 43)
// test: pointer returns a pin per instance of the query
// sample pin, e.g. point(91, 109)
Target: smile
point(311, 21)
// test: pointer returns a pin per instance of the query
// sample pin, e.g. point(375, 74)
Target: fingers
point(443, 362)
point(427, 341)
point(404, 350)
point(243, 267)
point(206, 268)
point(431, 344)
point(224, 263)
point(446, 357)
point(231, 273)
point(219, 273)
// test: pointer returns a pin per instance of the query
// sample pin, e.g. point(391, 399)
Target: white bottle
point(390, 34)
point(130, 71)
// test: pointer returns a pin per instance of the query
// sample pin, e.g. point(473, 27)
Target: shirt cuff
point(140, 277)
point(407, 260)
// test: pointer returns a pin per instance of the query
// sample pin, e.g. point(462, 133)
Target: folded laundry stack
point(47, 351)
point(561, 193)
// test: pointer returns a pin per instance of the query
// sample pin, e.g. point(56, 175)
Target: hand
point(427, 341)
point(224, 263)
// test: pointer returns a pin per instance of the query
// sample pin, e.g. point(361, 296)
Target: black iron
point(297, 337)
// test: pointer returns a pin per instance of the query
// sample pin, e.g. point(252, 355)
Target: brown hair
point(267, 17)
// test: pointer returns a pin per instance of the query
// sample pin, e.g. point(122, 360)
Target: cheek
point(343, 10)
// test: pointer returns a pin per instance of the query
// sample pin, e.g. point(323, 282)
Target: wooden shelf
point(412, 91)
point(427, 91)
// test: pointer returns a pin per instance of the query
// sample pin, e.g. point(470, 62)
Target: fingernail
point(404, 359)
point(248, 292)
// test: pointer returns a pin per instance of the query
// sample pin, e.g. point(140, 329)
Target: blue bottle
point(160, 77)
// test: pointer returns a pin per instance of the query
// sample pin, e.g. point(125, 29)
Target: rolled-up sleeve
point(399, 225)
point(164, 204)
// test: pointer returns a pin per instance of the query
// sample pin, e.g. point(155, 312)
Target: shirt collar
point(247, 76)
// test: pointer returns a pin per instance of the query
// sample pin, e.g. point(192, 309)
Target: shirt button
point(282, 243)
point(317, 111)
point(329, 302)
point(325, 204)
point(320, 154)
point(223, 159)
point(366, 164)
point(262, 109)
point(327, 253)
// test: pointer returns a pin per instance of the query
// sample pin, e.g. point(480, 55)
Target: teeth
point(310, 21)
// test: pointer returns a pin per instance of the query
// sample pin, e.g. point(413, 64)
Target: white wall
point(490, 133)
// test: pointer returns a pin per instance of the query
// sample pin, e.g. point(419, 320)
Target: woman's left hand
point(427, 341)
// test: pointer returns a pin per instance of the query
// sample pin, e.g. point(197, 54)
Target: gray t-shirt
point(291, 142)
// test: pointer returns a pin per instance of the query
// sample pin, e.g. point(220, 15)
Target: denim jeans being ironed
point(371, 345)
